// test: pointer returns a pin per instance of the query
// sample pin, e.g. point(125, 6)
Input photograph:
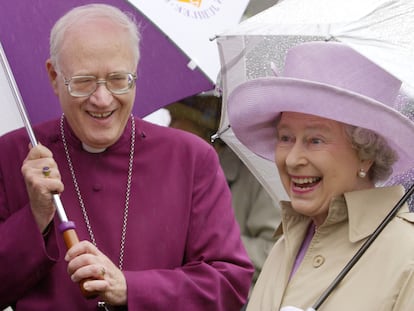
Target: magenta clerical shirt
point(183, 250)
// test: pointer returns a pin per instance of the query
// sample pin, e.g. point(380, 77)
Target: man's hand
point(99, 274)
point(42, 180)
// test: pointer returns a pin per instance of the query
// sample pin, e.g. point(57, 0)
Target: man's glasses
point(117, 83)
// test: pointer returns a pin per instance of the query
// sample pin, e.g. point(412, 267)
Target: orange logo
point(197, 3)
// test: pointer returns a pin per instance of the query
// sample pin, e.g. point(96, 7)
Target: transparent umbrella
point(382, 30)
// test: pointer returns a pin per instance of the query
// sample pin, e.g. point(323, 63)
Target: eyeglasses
point(117, 83)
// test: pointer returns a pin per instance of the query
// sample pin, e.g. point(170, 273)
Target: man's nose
point(101, 96)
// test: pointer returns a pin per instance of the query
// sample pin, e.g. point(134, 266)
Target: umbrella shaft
point(363, 248)
point(59, 208)
point(18, 98)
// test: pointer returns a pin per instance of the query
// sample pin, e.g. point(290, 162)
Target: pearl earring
point(362, 173)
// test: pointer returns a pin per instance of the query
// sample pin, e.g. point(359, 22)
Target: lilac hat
point(326, 79)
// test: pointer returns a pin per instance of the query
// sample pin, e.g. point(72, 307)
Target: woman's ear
point(365, 165)
point(52, 74)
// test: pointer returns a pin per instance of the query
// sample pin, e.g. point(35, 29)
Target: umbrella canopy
point(191, 24)
point(382, 30)
point(164, 73)
point(11, 118)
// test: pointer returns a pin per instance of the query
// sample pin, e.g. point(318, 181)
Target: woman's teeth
point(306, 182)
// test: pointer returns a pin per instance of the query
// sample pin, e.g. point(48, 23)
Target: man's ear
point(52, 74)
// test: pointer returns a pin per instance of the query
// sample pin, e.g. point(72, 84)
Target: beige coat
point(382, 280)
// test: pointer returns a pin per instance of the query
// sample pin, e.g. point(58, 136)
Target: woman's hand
point(289, 308)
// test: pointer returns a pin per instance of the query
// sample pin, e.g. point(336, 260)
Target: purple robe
point(182, 251)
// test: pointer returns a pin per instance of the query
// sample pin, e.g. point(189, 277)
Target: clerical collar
point(92, 149)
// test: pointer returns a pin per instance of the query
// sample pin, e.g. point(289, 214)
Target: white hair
point(88, 12)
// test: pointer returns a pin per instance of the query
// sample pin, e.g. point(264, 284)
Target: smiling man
point(151, 204)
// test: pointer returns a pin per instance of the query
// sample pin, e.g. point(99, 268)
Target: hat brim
point(254, 107)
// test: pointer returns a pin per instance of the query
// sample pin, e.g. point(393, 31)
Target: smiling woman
point(308, 151)
point(318, 122)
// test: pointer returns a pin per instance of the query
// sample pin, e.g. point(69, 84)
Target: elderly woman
point(329, 126)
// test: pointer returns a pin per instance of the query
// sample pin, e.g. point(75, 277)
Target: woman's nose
point(296, 155)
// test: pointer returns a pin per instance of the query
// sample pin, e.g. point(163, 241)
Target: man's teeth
point(306, 180)
point(100, 115)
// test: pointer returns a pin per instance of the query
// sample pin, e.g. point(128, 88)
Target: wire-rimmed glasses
point(117, 83)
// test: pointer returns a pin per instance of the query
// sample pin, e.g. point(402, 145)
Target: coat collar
point(368, 208)
point(365, 210)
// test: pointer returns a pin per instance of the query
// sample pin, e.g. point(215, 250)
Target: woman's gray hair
point(371, 146)
point(92, 11)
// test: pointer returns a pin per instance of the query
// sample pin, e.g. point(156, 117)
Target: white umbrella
point(10, 119)
point(382, 30)
point(192, 23)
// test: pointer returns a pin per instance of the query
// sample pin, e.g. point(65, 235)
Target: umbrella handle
point(71, 238)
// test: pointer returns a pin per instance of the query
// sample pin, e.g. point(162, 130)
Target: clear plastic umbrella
point(382, 30)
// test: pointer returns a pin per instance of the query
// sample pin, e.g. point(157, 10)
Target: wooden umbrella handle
point(71, 238)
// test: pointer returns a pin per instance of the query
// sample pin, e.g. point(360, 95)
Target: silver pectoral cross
point(103, 305)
